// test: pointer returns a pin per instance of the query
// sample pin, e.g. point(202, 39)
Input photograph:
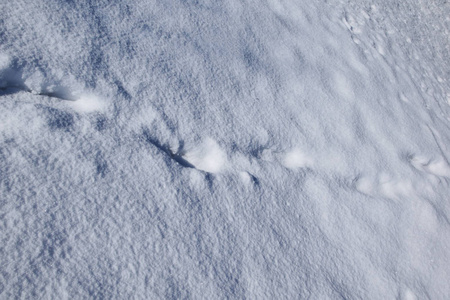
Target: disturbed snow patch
point(385, 185)
point(87, 103)
point(438, 167)
point(295, 159)
point(208, 156)
point(5, 61)
point(13, 80)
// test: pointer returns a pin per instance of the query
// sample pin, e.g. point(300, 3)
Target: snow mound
point(5, 61)
point(208, 156)
point(295, 159)
point(88, 103)
point(438, 167)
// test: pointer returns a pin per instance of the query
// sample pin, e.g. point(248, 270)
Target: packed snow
point(182, 149)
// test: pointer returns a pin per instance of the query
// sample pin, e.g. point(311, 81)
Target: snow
point(207, 156)
point(87, 103)
point(296, 159)
point(238, 149)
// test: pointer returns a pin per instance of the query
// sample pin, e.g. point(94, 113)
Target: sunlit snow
point(273, 149)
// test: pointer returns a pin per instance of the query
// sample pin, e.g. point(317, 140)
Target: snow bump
point(88, 103)
point(208, 156)
point(295, 159)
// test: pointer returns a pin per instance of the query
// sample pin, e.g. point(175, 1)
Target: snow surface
point(271, 149)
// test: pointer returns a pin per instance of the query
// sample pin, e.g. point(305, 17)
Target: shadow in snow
point(12, 81)
point(61, 94)
point(166, 149)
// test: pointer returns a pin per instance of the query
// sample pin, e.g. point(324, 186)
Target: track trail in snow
point(207, 150)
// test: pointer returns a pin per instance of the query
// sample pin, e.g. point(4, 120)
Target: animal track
point(166, 149)
point(12, 89)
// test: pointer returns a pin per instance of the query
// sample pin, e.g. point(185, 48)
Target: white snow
point(296, 159)
point(208, 156)
point(4, 61)
point(438, 167)
point(224, 150)
point(88, 103)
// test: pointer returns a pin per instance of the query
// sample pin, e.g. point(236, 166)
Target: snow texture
point(182, 149)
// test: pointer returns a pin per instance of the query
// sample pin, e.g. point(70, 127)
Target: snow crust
point(271, 149)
